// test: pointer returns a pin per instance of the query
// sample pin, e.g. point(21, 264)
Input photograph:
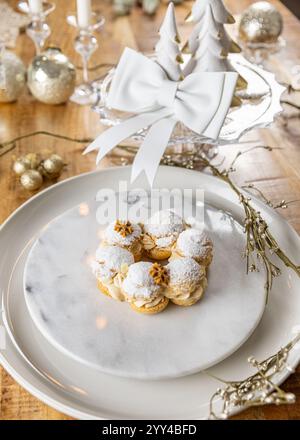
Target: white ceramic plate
point(64, 302)
point(83, 392)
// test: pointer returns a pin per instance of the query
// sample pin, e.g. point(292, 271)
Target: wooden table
point(276, 173)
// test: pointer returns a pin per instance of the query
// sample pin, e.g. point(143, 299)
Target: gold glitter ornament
point(53, 166)
point(12, 77)
point(260, 23)
point(31, 180)
point(34, 160)
point(21, 165)
point(24, 163)
point(51, 77)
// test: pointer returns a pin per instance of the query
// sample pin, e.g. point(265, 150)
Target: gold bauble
point(31, 180)
point(29, 162)
point(51, 77)
point(261, 23)
point(52, 167)
point(21, 165)
point(13, 77)
point(34, 160)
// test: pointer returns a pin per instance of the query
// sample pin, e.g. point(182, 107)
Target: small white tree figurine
point(209, 43)
point(221, 14)
point(167, 50)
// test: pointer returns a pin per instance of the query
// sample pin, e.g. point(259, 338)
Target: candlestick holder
point(38, 29)
point(85, 45)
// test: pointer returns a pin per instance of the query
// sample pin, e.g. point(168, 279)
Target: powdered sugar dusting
point(139, 283)
point(164, 223)
point(164, 242)
point(113, 237)
point(194, 243)
point(183, 270)
point(109, 261)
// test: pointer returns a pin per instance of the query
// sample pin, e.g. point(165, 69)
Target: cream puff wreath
point(148, 265)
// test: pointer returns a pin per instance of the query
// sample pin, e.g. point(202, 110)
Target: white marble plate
point(63, 300)
point(84, 392)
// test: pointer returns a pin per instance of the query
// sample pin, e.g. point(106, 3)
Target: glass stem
point(85, 70)
point(37, 47)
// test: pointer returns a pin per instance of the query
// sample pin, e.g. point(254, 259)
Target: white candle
point(84, 12)
point(35, 6)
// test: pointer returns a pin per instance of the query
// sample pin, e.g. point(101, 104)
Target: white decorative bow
point(201, 101)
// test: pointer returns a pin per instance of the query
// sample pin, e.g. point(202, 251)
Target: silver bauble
point(13, 77)
point(261, 23)
point(31, 180)
point(51, 77)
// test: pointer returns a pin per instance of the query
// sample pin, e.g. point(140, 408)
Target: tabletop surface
point(276, 173)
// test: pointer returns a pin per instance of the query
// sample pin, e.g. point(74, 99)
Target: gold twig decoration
point(261, 244)
point(283, 204)
point(256, 390)
point(7, 146)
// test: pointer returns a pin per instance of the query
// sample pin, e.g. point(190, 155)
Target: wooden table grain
point(276, 173)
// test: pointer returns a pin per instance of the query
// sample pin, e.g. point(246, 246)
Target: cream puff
point(187, 281)
point(160, 234)
point(143, 287)
point(125, 234)
point(196, 244)
point(110, 267)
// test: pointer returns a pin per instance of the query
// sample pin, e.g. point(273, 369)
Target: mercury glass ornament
point(31, 180)
point(51, 77)
point(13, 76)
point(260, 23)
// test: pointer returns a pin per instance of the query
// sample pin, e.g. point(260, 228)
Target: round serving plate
point(84, 392)
point(260, 105)
point(66, 306)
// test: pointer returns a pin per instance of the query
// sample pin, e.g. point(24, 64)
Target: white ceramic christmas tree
point(209, 43)
point(167, 50)
point(221, 14)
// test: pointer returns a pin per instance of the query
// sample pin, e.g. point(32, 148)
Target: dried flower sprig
point(258, 389)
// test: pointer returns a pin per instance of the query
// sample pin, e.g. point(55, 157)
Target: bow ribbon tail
point(114, 135)
point(150, 152)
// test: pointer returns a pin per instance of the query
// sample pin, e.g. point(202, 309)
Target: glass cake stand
point(260, 105)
